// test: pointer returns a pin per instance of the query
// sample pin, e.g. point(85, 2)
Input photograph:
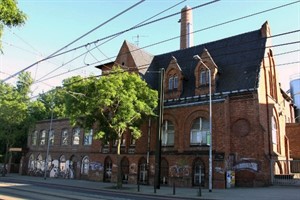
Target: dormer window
point(173, 83)
point(204, 77)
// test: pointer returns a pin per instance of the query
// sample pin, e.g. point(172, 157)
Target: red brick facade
point(248, 131)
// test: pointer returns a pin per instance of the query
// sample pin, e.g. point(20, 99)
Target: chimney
point(186, 28)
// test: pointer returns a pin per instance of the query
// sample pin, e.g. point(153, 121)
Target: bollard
point(200, 192)
point(174, 188)
point(138, 189)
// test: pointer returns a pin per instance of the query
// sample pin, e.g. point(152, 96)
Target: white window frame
point(168, 134)
point(199, 135)
point(88, 137)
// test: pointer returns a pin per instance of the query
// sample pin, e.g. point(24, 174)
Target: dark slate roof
point(238, 59)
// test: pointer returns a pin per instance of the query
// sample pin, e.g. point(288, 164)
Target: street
point(21, 189)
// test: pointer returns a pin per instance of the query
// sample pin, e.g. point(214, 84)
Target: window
point(168, 133)
point(43, 137)
point(64, 137)
point(51, 137)
point(275, 135)
point(34, 138)
point(204, 77)
point(88, 137)
point(85, 165)
point(173, 83)
point(132, 141)
point(198, 173)
point(123, 140)
point(76, 136)
point(200, 131)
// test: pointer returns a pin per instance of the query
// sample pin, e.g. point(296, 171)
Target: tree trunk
point(119, 175)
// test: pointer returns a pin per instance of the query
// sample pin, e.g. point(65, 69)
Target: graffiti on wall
point(96, 166)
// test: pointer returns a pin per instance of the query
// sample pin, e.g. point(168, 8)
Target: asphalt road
point(20, 189)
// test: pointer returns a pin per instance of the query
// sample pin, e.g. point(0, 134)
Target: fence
point(286, 172)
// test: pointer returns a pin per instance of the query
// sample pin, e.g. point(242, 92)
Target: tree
point(10, 15)
point(14, 115)
point(116, 103)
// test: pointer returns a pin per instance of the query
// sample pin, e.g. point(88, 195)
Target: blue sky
point(52, 24)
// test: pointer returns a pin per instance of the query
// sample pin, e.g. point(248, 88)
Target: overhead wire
point(200, 30)
point(59, 50)
point(113, 36)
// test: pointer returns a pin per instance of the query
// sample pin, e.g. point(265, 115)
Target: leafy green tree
point(10, 15)
point(14, 114)
point(51, 101)
point(117, 103)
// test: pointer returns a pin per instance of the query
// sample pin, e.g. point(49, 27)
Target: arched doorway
point(73, 166)
point(164, 172)
point(107, 169)
point(143, 171)
point(125, 169)
point(199, 173)
point(85, 164)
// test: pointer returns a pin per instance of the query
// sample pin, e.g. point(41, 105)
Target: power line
point(114, 36)
point(230, 21)
point(197, 31)
point(53, 54)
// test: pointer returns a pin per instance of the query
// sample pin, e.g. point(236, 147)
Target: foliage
point(14, 115)
point(46, 103)
point(117, 103)
point(10, 15)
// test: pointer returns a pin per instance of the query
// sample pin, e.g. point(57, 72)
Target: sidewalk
point(260, 193)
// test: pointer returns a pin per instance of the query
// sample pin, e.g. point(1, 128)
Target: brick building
point(249, 116)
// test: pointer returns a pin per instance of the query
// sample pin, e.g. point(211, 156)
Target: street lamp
point(48, 144)
point(197, 57)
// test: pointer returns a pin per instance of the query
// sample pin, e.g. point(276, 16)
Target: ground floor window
point(198, 173)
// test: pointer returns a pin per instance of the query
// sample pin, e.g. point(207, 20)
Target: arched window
point(198, 173)
point(275, 135)
point(143, 171)
point(88, 137)
point(51, 137)
point(85, 165)
point(167, 133)
point(64, 137)
point(173, 82)
point(31, 163)
point(62, 163)
point(125, 169)
point(43, 137)
point(34, 138)
point(199, 132)
point(164, 171)
point(76, 136)
point(40, 162)
point(204, 77)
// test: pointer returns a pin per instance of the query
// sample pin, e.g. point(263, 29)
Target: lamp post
point(48, 143)
point(197, 57)
point(159, 126)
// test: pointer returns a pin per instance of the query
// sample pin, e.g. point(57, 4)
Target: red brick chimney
point(186, 28)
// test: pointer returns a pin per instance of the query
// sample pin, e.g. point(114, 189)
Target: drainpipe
point(148, 141)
